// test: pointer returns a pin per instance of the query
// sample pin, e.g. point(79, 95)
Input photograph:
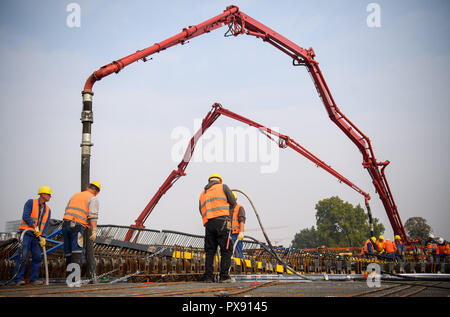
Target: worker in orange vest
point(36, 216)
point(442, 249)
point(215, 204)
point(390, 248)
point(432, 249)
point(369, 248)
point(237, 228)
point(81, 214)
point(446, 251)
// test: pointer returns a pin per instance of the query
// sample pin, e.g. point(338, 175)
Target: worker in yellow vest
point(237, 229)
point(36, 216)
point(380, 245)
point(215, 203)
point(81, 214)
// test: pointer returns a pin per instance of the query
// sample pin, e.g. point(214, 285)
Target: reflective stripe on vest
point(34, 215)
point(432, 248)
point(213, 203)
point(235, 227)
point(77, 209)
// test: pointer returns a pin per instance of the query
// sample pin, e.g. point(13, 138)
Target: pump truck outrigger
point(240, 23)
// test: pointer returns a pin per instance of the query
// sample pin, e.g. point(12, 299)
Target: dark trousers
point(216, 234)
point(73, 234)
point(30, 244)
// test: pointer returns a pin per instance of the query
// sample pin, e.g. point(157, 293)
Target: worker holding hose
point(216, 203)
point(237, 229)
point(35, 219)
point(81, 214)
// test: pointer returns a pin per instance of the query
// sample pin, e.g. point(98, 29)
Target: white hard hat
point(440, 240)
point(431, 236)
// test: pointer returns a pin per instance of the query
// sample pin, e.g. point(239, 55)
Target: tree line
point(340, 224)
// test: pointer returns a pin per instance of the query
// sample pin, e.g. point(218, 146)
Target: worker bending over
point(36, 216)
point(390, 248)
point(380, 245)
point(237, 229)
point(215, 203)
point(369, 248)
point(81, 214)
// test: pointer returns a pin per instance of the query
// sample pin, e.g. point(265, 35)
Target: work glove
point(93, 235)
point(37, 233)
point(42, 242)
point(240, 236)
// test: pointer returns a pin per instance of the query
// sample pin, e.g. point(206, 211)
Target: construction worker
point(442, 249)
point(81, 214)
point(390, 249)
point(368, 250)
point(380, 245)
point(36, 216)
point(447, 252)
point(215, 204)
point(432, 249)
point(399, 253)
point(237, 228)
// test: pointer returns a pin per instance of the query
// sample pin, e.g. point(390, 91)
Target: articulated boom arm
point(240, 23)
point(283, 142)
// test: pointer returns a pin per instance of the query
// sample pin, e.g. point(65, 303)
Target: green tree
point(306, 239)
point(339, 224)
point(418, 227)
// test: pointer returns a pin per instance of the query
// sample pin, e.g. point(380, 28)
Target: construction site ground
point(245, 289)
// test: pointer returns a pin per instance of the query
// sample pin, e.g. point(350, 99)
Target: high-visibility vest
point(366, 246)
point(380, 246)
point(389, 246)
point(441, 248)
point(235, 227)
point(432, 248)
point(34, 215)
point(213, 203)
point(77, 209)
point(447, 249)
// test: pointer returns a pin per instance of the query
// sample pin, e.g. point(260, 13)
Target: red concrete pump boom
point(240, 23)
point(283, 142)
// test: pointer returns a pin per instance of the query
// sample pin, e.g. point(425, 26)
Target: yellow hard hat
point(96, 184)
point(373, 239)
point(215, 175)
point(397, 237)
point(381, 238)
point(235, 196)
point(44, 190)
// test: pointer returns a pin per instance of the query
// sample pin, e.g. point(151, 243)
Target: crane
point(240, 23)
point(282, 140)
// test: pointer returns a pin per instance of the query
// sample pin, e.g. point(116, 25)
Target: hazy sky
point(392, 81)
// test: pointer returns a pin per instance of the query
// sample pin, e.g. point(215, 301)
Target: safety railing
point(159, 237)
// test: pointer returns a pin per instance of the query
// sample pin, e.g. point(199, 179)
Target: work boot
point(20, 283)
point(36, 283)
point(228, 280)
